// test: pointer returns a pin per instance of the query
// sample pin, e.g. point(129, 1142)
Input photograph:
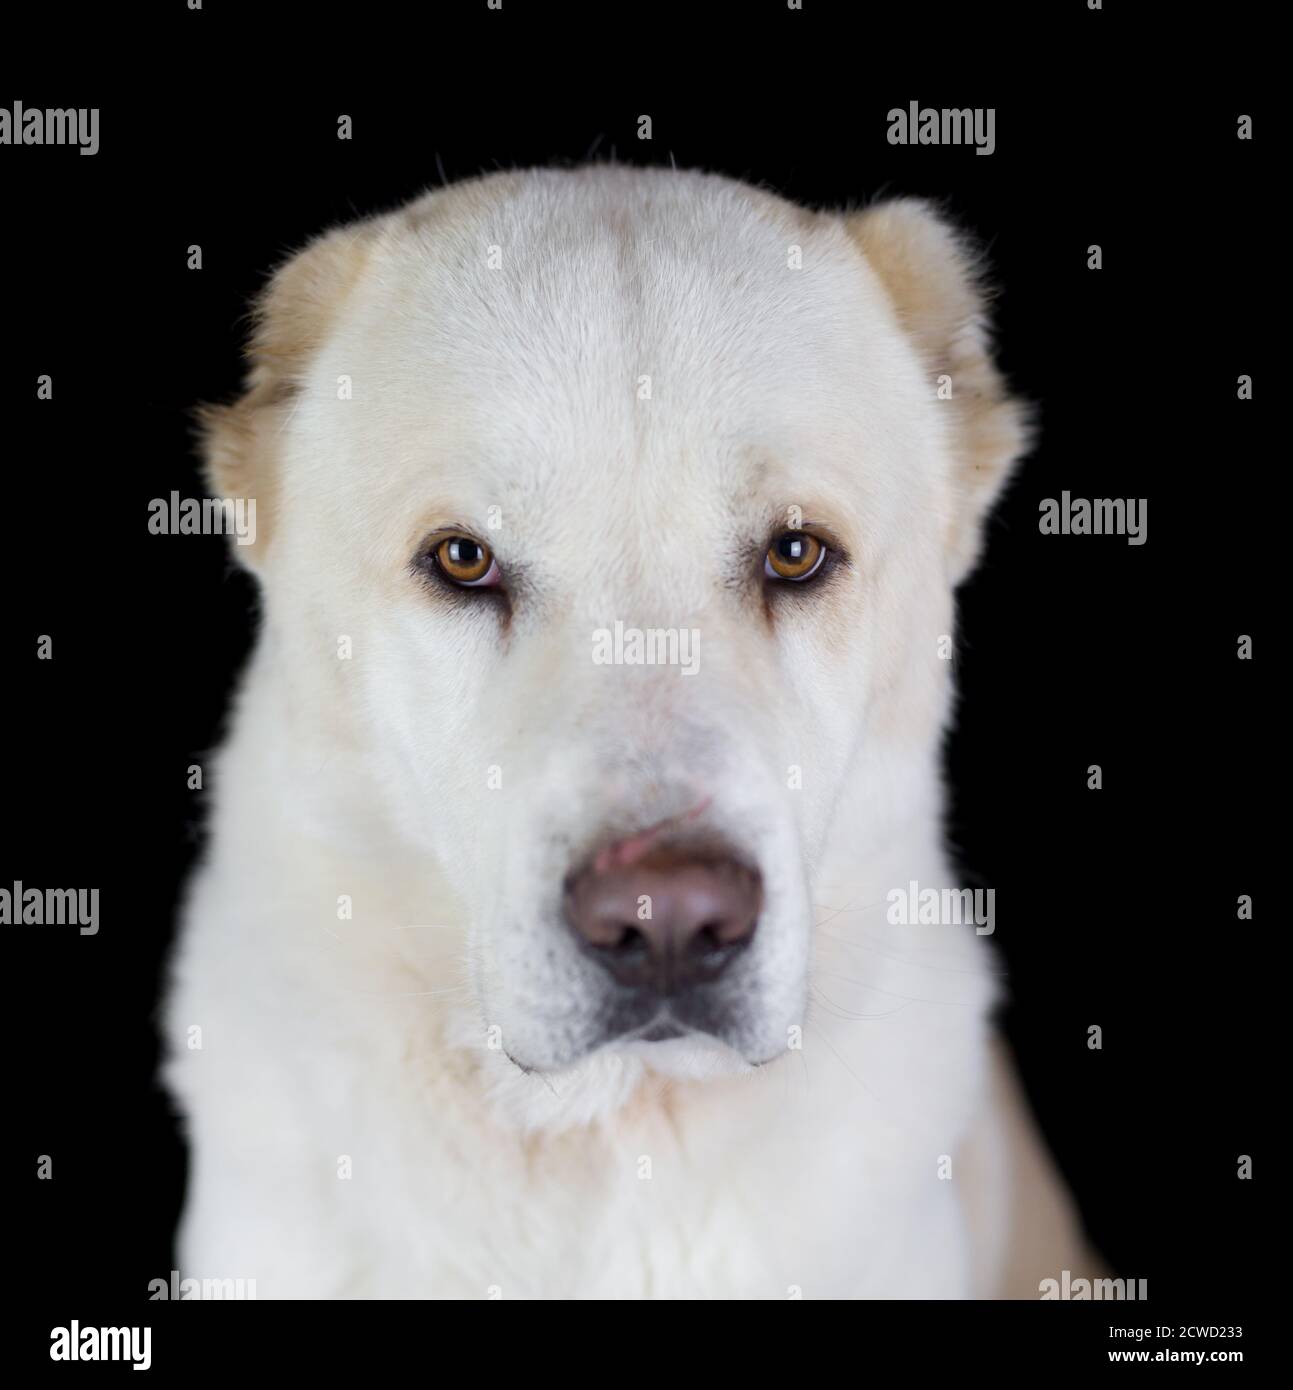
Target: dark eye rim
point(428, 564)
point(427, 561)
point(832, 556)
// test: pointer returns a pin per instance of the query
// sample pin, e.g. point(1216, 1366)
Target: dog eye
point(467, 563)
point(794, 555)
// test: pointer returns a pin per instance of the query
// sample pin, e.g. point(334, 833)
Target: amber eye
point(794, 555)
point(467, 562)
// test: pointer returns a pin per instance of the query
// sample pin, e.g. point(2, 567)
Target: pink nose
point(666, 921)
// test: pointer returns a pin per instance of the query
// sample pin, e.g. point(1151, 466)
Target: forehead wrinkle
point(578, 311)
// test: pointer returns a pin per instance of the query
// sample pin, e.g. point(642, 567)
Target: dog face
point(611, 515)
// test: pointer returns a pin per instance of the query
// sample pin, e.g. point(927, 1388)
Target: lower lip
point(660, 1032)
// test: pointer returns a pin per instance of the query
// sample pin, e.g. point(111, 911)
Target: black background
point(1114, 907)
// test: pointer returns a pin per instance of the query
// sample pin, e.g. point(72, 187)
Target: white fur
point(817, 1170)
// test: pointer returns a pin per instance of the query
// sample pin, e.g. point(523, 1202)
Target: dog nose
point(666, 921)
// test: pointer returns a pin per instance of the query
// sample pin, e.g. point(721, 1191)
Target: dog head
point(608, 521)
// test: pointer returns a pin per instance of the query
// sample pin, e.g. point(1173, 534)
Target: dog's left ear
point(932, 277)
point(293, 315)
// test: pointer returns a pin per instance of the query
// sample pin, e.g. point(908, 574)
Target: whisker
point(842, 1012)
point(892, 993)
point(912, 961)
point(845, 1065)
point(848, 907)
point(406, 994)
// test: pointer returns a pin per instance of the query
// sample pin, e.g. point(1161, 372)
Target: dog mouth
point(661, 1030)
point(664, 1024)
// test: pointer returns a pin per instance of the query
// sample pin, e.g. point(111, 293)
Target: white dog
point(608, 528)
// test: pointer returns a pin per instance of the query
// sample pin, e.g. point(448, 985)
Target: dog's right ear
point(291, 321)
point(933, 279)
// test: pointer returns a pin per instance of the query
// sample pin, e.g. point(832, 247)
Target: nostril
point(708, 939)
point(712, 949)
point(716, 937)
point(624, 939)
